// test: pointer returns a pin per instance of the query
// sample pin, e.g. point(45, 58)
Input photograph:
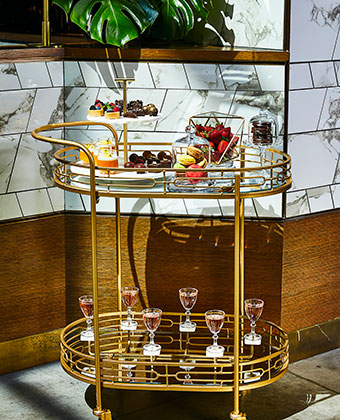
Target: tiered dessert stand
point(115, 358)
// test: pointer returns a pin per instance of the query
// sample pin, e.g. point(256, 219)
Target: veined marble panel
point(314, 28)
point(228, 208)
point(9, 207)
point(33, 75)
point(135, 206)
point(48, 108)
point(163, 206)
point(323, 74)
point(204, 76)
point(180, 105)
point(335, 189)
point(330, 115)
point(56, 70)
point(33, 167)
point(15, 108)
point(73, 201)
point(258, 23)
point(314, 160)
point(72, 74)
point(300, 76)
point(77, 102)
point(88, 136)
point(270, 206)
point(320, 199)
point(207, 207)
point(8, 150)
point(271, 78)
point(34, 202)
point(169, 75)
point(139, 71)
point(337, 71)
point(297, 204)
point(98, 74)
point(239, 77)
point(299, 118)
point(9, 77)
point(57, 198)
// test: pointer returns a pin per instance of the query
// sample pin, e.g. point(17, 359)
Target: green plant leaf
point(113, 22)
point(177, 17)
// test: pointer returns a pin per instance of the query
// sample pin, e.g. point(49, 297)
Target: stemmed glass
point(129, 297)
point(187, 368)
point(152, 318)
point(253, 308)
point(188, 298)
point(86, 306)
point(214, 320)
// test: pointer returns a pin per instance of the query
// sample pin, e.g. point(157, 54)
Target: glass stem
point(129, 314)
point(187, 320)
point(252, 326)
point(152, 336)
point(215, 337)
point(88, 322)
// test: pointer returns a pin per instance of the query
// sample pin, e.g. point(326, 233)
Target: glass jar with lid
point(263, 129)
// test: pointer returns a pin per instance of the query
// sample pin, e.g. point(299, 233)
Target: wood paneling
point(161, 254)
point(24, 54)
point(32, 279)
point(311, 270)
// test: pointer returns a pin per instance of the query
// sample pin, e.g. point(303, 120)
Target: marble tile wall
point(179, 91)
point(314, 107)
point(31, 95)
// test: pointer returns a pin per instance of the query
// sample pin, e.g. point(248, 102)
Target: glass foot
point(214, 351)
point(252, 339)
point(251, 376)
point(128, 325)
point(187, 326)
point(87, 335)
point(152, 349)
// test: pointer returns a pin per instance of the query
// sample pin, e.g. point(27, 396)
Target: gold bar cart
point(107, 361)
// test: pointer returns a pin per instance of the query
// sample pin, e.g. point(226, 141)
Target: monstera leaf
point(113, 22)
point(177, 17)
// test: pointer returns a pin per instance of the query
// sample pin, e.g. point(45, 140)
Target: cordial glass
point(253, 309)
point(152, 318)
point(214, 320)
point(129, 297)
point(188, 298)
point(86, 306)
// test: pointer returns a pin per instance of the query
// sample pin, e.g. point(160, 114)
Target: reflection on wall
point(179, 91)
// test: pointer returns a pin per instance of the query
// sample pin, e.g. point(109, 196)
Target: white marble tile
point(169, 75)
point(298, 119)
point(337, 71)
point(270, 206)
point(335, 189)
point(33, 75)
point(47, 108)
point(297, 204)
point(164, 206)
point(198, 207)
point(300, 76)
point(228, 206)
point(88, 136)
point(107, 205)
point(72, 74)
point(258, 23)
point(15, 108)
point(73, 201)
point(34, 202)
point(56, 70)
point(135, 206)
point(33, 164)
point(336, 53)
point(314, 28)
point(271, 78)
point(9, 207)
point(314, 160)
point(204, 76)
point(8, 149)
point(320, 199)
point(57, 198)
point(330, 115)
point(180, 105)
point(239, 76)
point(77, 102)
point(9, 77)
point(139, 71)
point(323, 74)
point(98, 74)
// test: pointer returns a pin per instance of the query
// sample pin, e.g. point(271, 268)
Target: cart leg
point(238, 416)
point(103, 414)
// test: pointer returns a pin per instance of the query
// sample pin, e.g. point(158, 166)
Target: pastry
point(97, 110)
point(194, 176)
point(112, 112)
point(82, 156)
point(186, 160)
point(195, 153)
point(202, 163)
point(107, 159)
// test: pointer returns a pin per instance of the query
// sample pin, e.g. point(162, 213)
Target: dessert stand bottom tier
point(182, 364)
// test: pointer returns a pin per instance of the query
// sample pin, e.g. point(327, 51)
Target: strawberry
point(216, 156)
point(222, 146)
point(226, 133)
point(215, 137)
point(212, 144)
point(208, 128)
point(219, 127)
point(199, 128)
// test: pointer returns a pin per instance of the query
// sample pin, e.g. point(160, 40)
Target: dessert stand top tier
point(243, 176)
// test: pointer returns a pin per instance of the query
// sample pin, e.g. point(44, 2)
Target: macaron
point(186, 160)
